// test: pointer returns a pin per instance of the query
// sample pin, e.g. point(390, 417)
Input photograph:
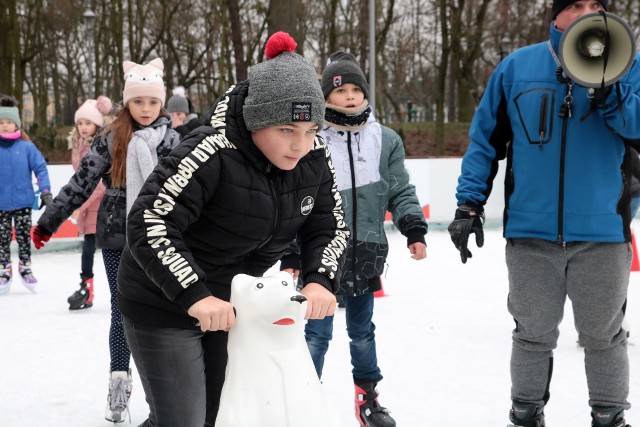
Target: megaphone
point(596, 48)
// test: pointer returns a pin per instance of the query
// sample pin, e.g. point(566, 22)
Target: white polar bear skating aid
point(270, 379)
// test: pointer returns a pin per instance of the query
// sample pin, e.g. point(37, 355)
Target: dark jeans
point(360, 327)
point(182, 373)
point(88, 252)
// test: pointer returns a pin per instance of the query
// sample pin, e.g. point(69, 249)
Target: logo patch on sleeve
point(301, 112)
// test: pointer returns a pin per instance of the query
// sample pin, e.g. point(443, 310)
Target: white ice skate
point(120, 385)
point(5, 278)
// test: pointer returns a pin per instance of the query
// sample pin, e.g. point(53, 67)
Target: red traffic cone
point(635, 263)
point(380, 293)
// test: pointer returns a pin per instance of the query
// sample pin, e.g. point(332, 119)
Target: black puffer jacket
point(216, 207)
point(96, 165)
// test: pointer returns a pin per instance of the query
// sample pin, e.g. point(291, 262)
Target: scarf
point(347, 119)
point(142, 157)
point(11, 136)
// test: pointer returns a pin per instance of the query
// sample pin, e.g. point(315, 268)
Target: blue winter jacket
point(18, 159)
point(559, 189)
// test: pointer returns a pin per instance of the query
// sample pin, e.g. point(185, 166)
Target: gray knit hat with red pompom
point(560, 5)
point(284, 89)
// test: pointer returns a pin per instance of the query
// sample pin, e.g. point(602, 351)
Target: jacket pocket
point(112, 222)
point(535, 112)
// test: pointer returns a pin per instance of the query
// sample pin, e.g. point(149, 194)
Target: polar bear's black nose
point(299, 298)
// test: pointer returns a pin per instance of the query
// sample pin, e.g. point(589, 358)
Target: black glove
point(468, 219)
point(45, 199)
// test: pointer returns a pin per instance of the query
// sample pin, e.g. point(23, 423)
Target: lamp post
point(505, 47)
point(89, 19)
point(372, 55)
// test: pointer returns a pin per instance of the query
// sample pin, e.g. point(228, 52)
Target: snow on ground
point(443, 334)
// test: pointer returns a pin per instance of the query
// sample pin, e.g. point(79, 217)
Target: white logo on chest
point(306, 205)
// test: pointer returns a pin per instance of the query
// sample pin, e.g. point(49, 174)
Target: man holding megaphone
point(564, 123)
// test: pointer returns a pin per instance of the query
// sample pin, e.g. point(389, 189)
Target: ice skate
point(83, 297)
point(28, 279)
point(607, 417)
point(120, 385)
point(524, 414)
point(5, 278)
point(369, 413)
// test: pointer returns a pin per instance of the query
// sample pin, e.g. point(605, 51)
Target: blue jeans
point(361, 330)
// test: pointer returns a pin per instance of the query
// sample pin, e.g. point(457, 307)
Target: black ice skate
point(368, 411)
point(607, 417)
point(83, 297)
point(524, 414)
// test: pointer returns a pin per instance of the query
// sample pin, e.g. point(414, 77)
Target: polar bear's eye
point(259, 285)
point(284, 283)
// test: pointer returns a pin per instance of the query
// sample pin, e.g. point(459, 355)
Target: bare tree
point(236, 39)
point(442, 76)
point(10, 55)
point(430, 52)
point(466, 38)
point(283, 15)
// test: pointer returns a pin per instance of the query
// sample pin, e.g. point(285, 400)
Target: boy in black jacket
point(228, 200)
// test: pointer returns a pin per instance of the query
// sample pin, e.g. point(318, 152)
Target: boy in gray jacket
point(372, 179)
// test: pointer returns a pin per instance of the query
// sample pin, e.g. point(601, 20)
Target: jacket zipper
point(276, 218)
point(543, 118)
point(354, 209)
point(565, 114)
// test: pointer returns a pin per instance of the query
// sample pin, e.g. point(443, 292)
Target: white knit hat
point(94, 110)
point(143, 80)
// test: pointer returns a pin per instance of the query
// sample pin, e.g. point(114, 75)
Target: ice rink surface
point(443, 335)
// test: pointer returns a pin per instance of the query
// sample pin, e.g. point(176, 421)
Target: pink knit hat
point(143, 80)
point(94, 110)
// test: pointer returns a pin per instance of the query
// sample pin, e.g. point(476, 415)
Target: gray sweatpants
point(595, 277)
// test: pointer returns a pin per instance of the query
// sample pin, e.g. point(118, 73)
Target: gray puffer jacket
point(96, 165)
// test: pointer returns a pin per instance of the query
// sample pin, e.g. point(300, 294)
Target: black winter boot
point(83, 297)
point(523, 414)
point(607, 417)
point(368, 411)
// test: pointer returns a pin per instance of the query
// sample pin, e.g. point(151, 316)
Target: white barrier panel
point(435, 180)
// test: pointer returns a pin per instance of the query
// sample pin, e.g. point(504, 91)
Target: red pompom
point(279, 42)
